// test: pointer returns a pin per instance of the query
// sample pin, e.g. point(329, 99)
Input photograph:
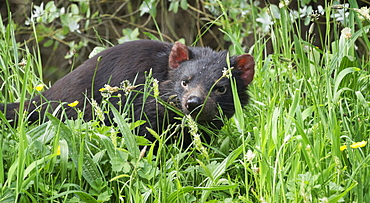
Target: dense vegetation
point(302, 138)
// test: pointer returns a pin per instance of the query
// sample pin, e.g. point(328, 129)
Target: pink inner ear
point(245, 63)
point(179, 53)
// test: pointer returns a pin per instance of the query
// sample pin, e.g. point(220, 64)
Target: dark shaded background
point(117, 15)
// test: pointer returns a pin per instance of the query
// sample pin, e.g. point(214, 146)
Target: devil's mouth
point(200, 117)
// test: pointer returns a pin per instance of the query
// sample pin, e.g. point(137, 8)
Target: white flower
point(255, 168)
point(283, 3)
point(346, 33)
point(39, 11)
point(341, 14)
point(364, 13)
point(250, 155)
point(265, 19)
point(324, 200)
point(320, 10)
point(287, 138)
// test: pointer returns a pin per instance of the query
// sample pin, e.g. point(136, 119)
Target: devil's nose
point(193, 102)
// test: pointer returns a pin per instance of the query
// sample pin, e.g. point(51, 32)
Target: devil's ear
point(179, 53)
point(245, 63)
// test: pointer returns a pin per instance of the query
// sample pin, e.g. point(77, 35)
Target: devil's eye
point(184, 83)
point(221, 90)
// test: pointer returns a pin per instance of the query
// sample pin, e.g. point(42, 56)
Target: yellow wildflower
point(354, 145)
point(58, 151)
point(358, 144)
point(73, 104)
point(107, 90)
point(39, 87)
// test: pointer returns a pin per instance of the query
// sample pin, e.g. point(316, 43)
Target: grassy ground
point(302, 138)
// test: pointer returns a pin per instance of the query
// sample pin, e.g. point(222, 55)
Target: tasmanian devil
point(193, 75)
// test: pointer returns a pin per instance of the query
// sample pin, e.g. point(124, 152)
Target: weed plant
point(302, 138)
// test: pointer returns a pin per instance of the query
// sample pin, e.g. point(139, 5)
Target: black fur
point(187, 72)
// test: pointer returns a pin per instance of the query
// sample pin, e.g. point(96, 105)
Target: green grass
point(307, 102)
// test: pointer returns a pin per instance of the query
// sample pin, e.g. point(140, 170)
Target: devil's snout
point(193, 102)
